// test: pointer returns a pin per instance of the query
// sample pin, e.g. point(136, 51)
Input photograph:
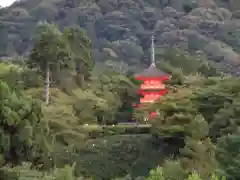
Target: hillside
point(120, 30)
point(77, 130)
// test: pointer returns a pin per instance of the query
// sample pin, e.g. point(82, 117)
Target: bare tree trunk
point(47, 85)
point(79, 75)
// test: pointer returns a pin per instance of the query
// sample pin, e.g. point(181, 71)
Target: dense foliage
point(23, 132)
point(120, 30)
point(80, 134)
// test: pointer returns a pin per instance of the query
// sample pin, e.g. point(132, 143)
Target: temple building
point(153, 87)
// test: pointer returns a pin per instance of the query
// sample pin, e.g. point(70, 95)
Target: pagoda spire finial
point(153, 63)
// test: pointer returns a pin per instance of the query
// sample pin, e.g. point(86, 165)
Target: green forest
point(60, 112)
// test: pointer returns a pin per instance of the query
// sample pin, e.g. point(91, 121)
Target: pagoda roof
point(152, 71)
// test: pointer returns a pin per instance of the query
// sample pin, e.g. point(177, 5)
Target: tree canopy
point(82, 131)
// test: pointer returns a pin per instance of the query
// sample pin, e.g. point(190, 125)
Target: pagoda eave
point(160, 91)
point(146, 78)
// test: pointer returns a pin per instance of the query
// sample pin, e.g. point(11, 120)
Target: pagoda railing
point(149, 86)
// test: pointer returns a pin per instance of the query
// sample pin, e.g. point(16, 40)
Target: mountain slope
point(121, 29)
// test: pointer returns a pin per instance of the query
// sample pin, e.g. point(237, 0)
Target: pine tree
point(176, 111)
point(227, 154)
point(227, 120)
point(81, 48)
point(198, 154)
point(49, 54)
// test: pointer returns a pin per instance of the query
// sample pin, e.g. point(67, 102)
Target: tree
point(112, 97)
point(81, 48)
point(89, 106)
point(23, 132)
point(226, 120)
point(50, 53)
point(176, 112)
point(227, 154)
point(179, 119)
point(21, 78)
point(156, 174)
point(160, 174)
point(199, 153)
point(3, 36)
point(188, 64)
point(218, 101)
point(189, 5)
point(126, 89)
point(102, 99)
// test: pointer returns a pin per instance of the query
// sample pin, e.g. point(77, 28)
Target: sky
point(5, 3)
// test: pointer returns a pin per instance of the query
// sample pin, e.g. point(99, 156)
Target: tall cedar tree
point(49, 54)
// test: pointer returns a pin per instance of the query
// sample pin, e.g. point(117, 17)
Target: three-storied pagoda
point(153, 86)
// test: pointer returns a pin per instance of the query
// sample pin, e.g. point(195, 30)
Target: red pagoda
point(153, 87)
